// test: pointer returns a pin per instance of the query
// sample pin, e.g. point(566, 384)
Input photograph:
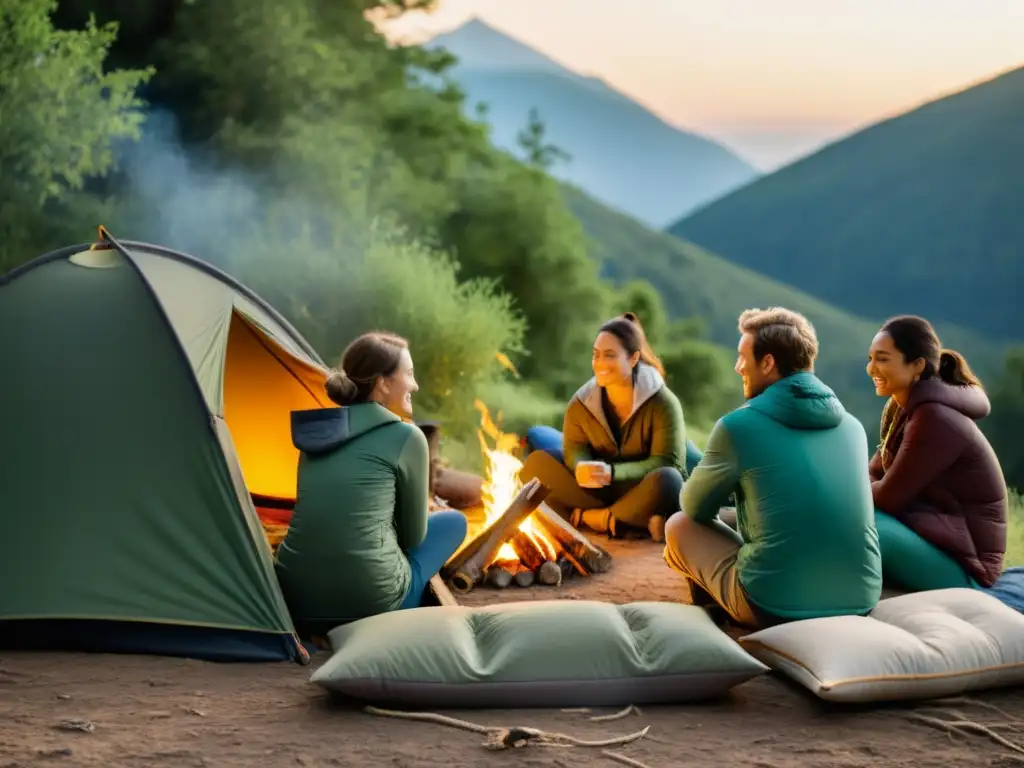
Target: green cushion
point(551, 653)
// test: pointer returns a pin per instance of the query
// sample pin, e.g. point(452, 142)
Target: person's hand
point(593, 474)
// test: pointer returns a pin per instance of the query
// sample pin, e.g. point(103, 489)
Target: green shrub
point(701, 375)
point(521, 405)
point(383, 282)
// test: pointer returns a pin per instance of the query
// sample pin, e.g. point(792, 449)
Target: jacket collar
point(647, 384)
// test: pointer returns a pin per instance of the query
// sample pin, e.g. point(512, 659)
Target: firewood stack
point(479, 561)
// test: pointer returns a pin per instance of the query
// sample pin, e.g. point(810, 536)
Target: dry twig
point(623, 759)
point(966, 701)
point(503, 738)
point(962, 727)
point(617, 716)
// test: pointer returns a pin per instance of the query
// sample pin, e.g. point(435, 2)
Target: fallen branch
point(969, 702)
point(955, 715)
point(964, 727)
point(503, 738)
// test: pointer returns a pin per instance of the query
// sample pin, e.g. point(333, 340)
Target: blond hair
point(784, 334)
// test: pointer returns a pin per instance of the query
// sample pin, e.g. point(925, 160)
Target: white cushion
point(917, 646)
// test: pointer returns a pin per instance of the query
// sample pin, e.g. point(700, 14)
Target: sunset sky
point(771, 78)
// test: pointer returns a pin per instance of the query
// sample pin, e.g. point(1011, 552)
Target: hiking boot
point(576, 518)
point(656, 527)
point(597, 520)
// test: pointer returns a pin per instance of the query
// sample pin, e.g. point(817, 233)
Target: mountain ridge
point(621, 152)
point(919, 210)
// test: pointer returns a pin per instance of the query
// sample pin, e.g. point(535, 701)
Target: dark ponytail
point(629, 331)
point(953, 369)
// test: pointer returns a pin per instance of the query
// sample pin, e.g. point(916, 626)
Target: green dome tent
point(145, 401)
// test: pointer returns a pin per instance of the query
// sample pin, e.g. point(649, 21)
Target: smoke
point(172, 197)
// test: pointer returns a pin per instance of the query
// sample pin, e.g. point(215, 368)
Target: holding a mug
point(623, 441)
point(593, 474)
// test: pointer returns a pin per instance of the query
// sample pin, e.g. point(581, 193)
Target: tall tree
point(60, 114)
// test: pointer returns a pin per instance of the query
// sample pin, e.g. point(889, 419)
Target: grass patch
point(1015, 534)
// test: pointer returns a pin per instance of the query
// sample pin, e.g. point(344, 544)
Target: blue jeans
point(549, 440)
point(445, 533)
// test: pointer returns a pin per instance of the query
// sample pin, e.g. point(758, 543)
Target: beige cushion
point(917, 646)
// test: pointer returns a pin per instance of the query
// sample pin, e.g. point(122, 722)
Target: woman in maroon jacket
point(939, 491)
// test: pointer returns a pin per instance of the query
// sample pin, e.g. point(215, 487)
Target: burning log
point(589, 557)
point(441, 592)
point(549, 573)
point(500, 575)
point(466, 568)
point(524, 577)
point(461, 490)
point(528, 552)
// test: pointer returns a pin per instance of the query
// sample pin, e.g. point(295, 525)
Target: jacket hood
point(647, 384)
point(972, 402)
point(322, 430)
point(800, 401)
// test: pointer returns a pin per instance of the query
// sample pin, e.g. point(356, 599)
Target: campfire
point(522, 540)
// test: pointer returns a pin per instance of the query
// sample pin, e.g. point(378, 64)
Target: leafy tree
point(701, 375)
point(533, 141)
point(643, 299)
point(322, 114)
point(1006, 424)
point(60, 115)
point(511, 226)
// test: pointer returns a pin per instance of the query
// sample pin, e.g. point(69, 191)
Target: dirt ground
point(168, 712)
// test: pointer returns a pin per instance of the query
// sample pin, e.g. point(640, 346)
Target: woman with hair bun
point(939, 492)
point(362, 541)
point(623, 440)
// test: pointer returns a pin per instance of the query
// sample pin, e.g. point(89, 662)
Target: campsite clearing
point(152, 711)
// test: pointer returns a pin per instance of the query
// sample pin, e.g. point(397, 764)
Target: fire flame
point(501, 484)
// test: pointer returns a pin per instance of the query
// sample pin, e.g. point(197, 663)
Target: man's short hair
point(787, 336)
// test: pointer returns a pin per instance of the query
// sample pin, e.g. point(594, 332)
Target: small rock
point(76, 725)
point(196, 712)
point(63, 696)
point(62, 752)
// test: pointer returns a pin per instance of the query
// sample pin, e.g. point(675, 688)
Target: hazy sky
point(771, 78)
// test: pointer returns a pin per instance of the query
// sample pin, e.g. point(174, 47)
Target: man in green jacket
point(805, 544)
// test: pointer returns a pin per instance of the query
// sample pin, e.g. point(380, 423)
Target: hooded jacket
point(653, 436)
point(941, 478)
point(362, 503)
point(796, 459)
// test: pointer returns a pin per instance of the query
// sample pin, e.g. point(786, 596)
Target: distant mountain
point(922, 213)
point(697, 283)
point(620, 152)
